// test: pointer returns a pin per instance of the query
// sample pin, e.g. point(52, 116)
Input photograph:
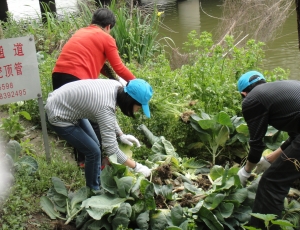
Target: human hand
point(262, 165)
point(139, 168)
point(129, 140)
point(122, 81)
point(243, 175)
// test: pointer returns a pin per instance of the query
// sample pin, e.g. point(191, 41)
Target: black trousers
point(275, 184)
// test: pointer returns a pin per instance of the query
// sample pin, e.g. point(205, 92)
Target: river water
point(180, 17)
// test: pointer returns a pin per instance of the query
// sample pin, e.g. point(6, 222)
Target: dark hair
point(126, 102)
point(250, 87)
point(104, 17)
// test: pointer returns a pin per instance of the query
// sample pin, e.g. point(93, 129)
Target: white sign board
point(19, 74)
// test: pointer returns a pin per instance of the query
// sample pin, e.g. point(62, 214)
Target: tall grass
point(135, 33)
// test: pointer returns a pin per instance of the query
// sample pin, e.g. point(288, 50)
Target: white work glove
point(122, 81)
point(243, 175)
point(139, 168)
point(129, 140)
point(262, 165)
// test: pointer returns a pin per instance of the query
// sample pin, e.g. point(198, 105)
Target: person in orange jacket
point(84, 56)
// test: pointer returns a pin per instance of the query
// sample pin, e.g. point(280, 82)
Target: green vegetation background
point(206, 83)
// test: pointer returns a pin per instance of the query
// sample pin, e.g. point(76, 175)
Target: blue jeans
point(83, 138)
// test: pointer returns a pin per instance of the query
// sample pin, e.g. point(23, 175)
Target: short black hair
point(250, 87)
point(126, 102)
point(104, 17)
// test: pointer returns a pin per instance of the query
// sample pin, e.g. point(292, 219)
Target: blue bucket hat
point(141, 91)
point(244, 80)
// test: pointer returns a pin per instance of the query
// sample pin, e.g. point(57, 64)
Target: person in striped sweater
point(69, 108)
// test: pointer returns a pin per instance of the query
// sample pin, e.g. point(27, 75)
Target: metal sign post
point(19, 76)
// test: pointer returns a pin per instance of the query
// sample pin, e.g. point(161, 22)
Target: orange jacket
point(85, 53)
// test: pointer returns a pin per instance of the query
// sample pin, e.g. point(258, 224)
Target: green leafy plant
point(270, 220)
point(213, 132)
point(11, 126)
point(129, 199)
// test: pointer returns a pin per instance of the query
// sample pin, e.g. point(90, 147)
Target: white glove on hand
point(139, 168)
point(122, 81)
point(243, 175)
point(262, 165)
point(129, 140)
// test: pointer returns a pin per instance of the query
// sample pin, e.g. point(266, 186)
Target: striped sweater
point(88, 99)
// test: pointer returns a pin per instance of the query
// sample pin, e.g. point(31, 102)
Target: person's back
point(278, 102)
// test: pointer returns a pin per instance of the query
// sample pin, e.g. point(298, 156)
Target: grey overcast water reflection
point(183, 16)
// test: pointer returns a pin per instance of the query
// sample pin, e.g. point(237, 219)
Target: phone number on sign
point(6, 86)
point(12, 94)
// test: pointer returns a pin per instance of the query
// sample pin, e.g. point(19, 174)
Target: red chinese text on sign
point(18, 49)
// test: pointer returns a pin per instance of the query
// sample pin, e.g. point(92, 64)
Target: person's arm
point(274, 155)
point(112, 54)
point(109, 130)
point(256, 117)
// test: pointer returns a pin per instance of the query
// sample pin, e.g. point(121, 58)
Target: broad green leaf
point(222, 136)
point(193, 189)
point(164, 190)
point(265, 217)
point(209, 219)
point(205, 116)
point(13, 148)
point(126, 149)
point(169, 149)
point(152, 138)
point(48, 207)
point(177, 215)
point(231, 223)
point(271, 131)
point(213, 200)
point(147, 190)
point(158, 148)
point(29, 163)
point(193, 163)
point(59, 186)
point(158, 220)
point(233, 171)
point(243, 129)
point(124, 185)
point(97, 206)
point(282, 223)
point(242, 213)
point(206, 124)
point(80, 195)
point(242, 138)
point(229, 183)
point(224, 119)
point(173, 228)
point(142, 220)
point(226, 209)
point(106, 180)
point(58, 199)
point(198, 128)
point(25, 114)
point(122, 217)
point(239, 195)
point(216, 172)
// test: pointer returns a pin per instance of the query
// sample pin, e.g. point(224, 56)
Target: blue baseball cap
point(141, 91)
point(245, 81)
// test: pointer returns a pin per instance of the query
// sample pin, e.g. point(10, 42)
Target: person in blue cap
point(69, 108)
point(276, 104)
